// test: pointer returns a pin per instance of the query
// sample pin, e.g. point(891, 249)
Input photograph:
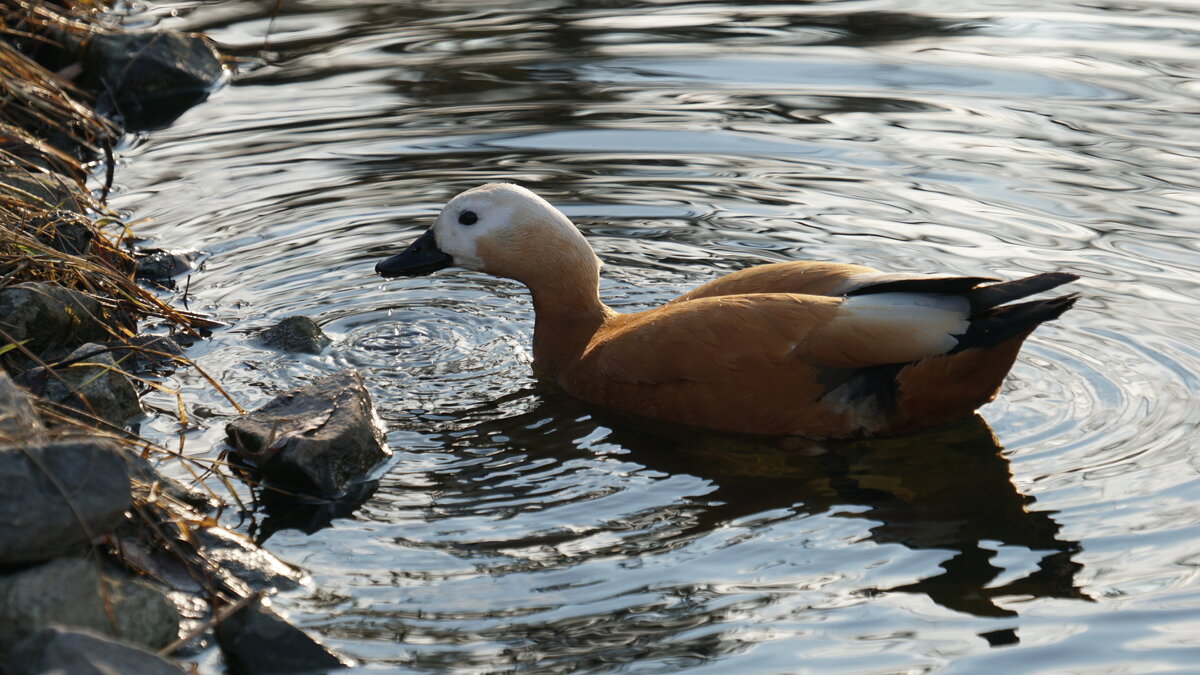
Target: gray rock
point(296, 334)
point(160, 265)
point(49, 316)
point(71, 592)
point(151, 76)
point(256, 640)
point(142, 471)
point(149, 353)
point(253, 566)
point(94, 384)
point(64, 231)
point(49, 488)
point(319, 437)
point(45, 190)
point(19, 422)
point(78, 652)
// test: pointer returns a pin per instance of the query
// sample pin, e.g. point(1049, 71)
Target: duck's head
point(501, 229)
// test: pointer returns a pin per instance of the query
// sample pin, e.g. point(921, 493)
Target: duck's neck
point(568, 314)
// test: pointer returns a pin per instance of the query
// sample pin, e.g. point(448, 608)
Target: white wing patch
point(910, 326)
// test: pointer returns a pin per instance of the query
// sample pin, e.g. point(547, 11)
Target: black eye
point(467, 218)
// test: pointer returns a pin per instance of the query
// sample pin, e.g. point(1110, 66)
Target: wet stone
point(142, 471)
point(320, 437)
point(49, 317)
point(161, 265)
point(45, 190)
point(78, 652)
point(251, 565)
point(295, 334)
point(93, 383)
point(19, 422)
point(49, 488)
point(71, 592)
point(256, 640)
point(147, 353)
point(61, 230)
point(152, 77)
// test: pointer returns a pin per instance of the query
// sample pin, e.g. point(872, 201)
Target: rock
point(142, 471)
point(44, 190)
point(151, 77)
point(50, 317)
point(79, 652)
point(94, 384)
point(296, 334)
point(19, 422)
point(61, 230)
point(162, 265)
point(37, 520)
point(68, 592)
point(256, 640)
point(147, 353)
point(250, 564)
point(319, 437)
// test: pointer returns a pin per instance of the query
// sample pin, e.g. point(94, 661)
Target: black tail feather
point(993, 326)
point(994, 295)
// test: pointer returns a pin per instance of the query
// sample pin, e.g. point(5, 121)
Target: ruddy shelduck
point(814, 349)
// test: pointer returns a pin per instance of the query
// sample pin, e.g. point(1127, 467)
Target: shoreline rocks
point(85, 522)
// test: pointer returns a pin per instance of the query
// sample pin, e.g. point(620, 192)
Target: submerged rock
point(71, 592)
point(94, 384)
point(19, 422)
point(256, 640)
point(319, 437)
point(296, 334)
point(161, 265)
point(151, 77)
point(251, 565)
point(49, 317)
point(59, 495)
point(78, 652)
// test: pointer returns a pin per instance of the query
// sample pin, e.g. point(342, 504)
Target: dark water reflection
point(515, 530)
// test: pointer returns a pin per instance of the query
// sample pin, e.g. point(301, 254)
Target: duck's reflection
point(949, 489)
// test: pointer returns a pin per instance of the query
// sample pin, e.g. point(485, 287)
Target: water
point(516, 529)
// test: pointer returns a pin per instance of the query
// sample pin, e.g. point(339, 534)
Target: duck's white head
point(503, 230)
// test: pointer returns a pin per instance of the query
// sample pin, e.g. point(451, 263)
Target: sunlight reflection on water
point(519, 530)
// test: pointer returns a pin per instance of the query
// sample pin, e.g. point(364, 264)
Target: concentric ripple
point(516, 529)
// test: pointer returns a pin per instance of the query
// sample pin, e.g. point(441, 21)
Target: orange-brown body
point(806, 348)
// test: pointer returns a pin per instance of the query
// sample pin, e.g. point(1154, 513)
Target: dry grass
point(50, 132)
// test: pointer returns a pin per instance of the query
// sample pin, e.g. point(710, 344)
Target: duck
point(801, 348)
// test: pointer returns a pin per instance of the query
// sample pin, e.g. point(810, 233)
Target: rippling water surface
point(516, 529)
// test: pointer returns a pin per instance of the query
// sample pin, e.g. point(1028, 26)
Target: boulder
point(94, 384)
point(151, 77)
point(255, 640)
point(71, 592)
point(296, 334)
point(19, 422)
point(49, 317)
point(316, 438)
point(42, 190)
point(79, 652)
point(59, 495)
